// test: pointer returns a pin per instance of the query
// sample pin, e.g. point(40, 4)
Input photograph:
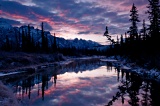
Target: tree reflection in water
point(55, 78)
point(25, 86)
point(131, 87)
point(45, 80)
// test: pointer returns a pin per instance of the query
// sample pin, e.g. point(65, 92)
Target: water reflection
point(136, 91)
point(55, 78)
point(88, 84)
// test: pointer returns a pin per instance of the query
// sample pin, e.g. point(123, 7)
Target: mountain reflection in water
point(87, 84)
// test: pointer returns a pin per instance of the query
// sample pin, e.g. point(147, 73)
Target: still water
point(86, 84)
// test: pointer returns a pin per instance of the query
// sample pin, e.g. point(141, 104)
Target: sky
point(85, 19)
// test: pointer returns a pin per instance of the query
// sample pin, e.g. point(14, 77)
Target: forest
point(140, 46)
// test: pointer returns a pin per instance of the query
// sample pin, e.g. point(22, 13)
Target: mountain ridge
point(12, 32)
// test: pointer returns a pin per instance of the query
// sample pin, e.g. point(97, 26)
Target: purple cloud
point(85, 17)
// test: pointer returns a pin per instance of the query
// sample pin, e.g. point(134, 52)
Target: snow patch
point(122, 63)
point(11, 73)
point(125, 68)
point(108, 60)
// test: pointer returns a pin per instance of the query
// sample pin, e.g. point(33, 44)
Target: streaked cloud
point(74, 18)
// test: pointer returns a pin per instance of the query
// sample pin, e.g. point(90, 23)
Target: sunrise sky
point(71, 19)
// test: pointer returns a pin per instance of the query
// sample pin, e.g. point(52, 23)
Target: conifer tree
point(154, 18)
point(126, 38)
point(143, 31)
point(117, 40)
point(20, 37)
point(133, 31)
point(29, 42)
point(44, 40)
point(7, 47)
point(23, 40)
point(32, 43)
point(43, 37)
point(121, 42)
point(16, 40)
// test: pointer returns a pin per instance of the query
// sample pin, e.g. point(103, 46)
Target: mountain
point(4, 25)
point(6, 30)
point(14, 34)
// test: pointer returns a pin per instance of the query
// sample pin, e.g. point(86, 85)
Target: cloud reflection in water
point(83, 88)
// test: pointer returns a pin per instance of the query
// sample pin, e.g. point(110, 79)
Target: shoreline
point(32, 70)
point(121, 63)
point(148, 74)
point(7, 98)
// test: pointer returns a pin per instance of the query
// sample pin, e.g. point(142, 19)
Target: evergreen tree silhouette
point(17, 40)
point(37, 44)
point(44, 40)
point(133, 31)
point(8, 46)
point(32, 44)
point(43, 37)
point(23, 40)
point(54, 45)
point(133, 44)
point(143, 31)
point(117, 40)
point(29, 43)
point(121, 50)
point(122, 41)
point(154, 18)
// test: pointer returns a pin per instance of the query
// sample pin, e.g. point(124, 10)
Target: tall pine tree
point(43, 38)
point(23, 40)
point(133, 31)
point(143, 31)
point(29, 43)
point(121, 42)
point(154, 18)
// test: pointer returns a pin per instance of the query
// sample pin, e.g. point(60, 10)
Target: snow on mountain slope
point(4, 25)
point(13, 34)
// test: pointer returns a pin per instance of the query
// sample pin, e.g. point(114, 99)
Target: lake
point(85, 84)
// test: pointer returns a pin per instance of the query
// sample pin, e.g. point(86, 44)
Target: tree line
point(25, 41)
point(139, 44)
